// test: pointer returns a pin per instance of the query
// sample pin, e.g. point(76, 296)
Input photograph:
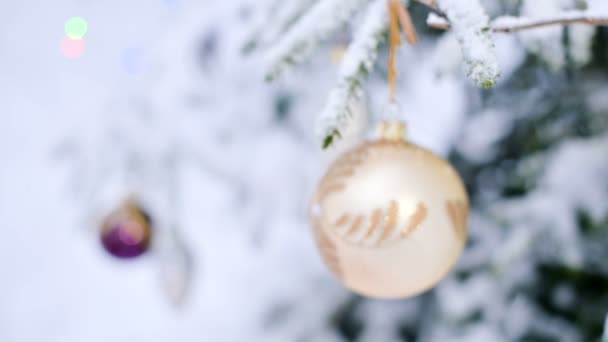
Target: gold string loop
point(398, 15)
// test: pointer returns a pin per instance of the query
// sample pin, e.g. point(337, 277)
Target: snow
point(323, 19)
point(280, 17)
point(435, 20)
point(562, 189)
point(597, 6)
point(242, 185)
point(471, 27)
point(358, 61)
point(544, 14)
point(546, 42)
point(472, 293)
point(480, 147)
point(243, 194)
point(605, 336)
point(581, 41)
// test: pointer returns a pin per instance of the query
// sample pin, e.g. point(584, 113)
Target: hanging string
point(394, 43)
point(398, 15)
point(405, 19)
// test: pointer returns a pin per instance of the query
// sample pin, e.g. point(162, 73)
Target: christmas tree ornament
point(127, 231)
point(390, 217)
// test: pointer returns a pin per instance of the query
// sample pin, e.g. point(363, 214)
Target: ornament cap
point(391, 130)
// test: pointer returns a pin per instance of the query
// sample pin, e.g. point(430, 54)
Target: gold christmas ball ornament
point(389, 217)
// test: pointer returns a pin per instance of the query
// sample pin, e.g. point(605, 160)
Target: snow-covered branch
point(358, 61)
point(466, 18)
point(511, 24)
point(278, 20)
point(471, 25)
point(323, 19)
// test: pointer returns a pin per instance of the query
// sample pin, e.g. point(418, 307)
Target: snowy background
point(169, 75)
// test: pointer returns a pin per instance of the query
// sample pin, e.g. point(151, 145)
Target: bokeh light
point(76, 27)
point(72, 48)
point(133, 59)
point(170, 3)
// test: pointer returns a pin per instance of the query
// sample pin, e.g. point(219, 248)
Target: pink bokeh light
point(72, 48)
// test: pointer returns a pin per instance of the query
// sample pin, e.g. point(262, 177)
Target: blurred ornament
point(125, 175)
point(176, 268)
point(389, 217)
point(126, 232)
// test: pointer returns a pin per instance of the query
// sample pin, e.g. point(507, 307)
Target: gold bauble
point(389, 217)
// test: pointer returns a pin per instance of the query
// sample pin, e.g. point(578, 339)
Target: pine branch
point(509, 24)
point(548, 43)
point(323, 19)
point(471, 25)
point(358, 62)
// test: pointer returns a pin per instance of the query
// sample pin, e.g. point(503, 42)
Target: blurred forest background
point(229, 163)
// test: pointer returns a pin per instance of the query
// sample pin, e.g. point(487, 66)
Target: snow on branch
point(358, 62)
point(323, 19)
point(511, 24)
point(605, 336)
point(471, 25)
point(283, 15)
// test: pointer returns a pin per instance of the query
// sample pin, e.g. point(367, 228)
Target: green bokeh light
point(76, 27)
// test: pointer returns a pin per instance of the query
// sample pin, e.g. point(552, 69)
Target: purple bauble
point(126, 232)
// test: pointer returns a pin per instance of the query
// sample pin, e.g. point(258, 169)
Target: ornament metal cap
point(391, 130)
point(391, 127)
